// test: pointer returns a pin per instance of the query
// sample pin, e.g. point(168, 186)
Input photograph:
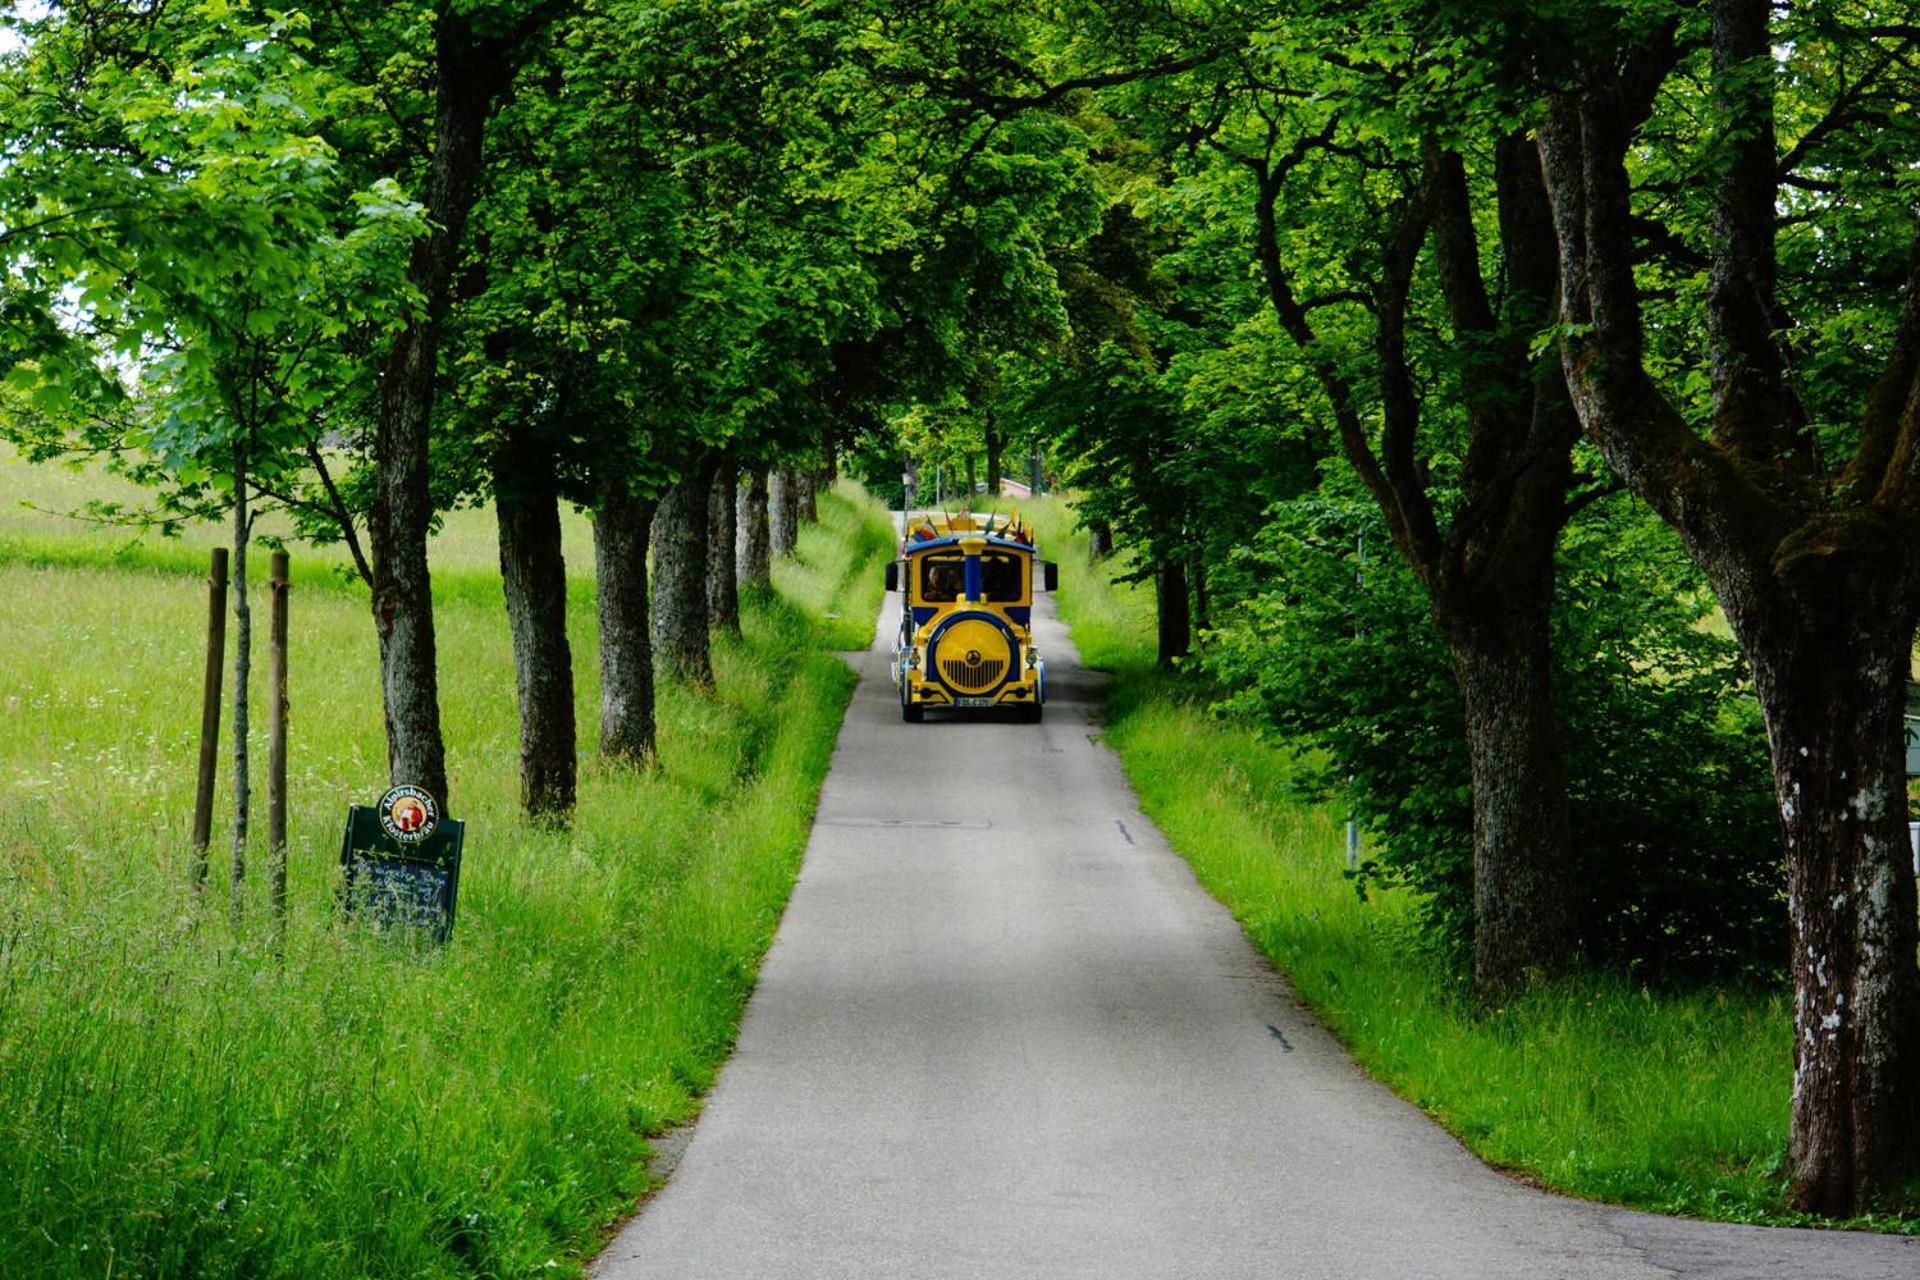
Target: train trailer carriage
point(966, 626)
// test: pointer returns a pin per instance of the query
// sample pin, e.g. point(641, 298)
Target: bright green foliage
point(214, 272)
point(1669, 788)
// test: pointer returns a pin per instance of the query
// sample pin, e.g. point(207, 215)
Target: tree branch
point(348, 532)
point(1884, 466)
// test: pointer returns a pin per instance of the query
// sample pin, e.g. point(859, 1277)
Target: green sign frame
point(401, 886)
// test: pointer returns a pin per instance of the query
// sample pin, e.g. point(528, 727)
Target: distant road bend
point(1003, 1033)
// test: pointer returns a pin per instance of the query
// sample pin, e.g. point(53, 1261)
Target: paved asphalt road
point(1003, 1033)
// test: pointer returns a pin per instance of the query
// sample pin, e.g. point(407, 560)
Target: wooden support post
point(277, 743)
point(210, 714)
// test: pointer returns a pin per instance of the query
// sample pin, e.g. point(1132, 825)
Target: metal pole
point(210, 713)
point(277, 743)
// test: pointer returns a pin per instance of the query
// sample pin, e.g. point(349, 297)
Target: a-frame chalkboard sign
point(400, 864)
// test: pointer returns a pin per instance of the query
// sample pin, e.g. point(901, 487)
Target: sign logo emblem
point(973, 657)
point(408, 814)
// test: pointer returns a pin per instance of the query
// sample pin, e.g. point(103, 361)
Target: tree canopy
point(1459, 374)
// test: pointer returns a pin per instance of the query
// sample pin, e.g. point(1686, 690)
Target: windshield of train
point(943, 577)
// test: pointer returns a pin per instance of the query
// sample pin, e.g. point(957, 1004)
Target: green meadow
point(178, 1101)
point(1593, 1087)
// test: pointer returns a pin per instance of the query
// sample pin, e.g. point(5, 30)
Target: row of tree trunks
point(707, 536)
point(533, 572)
point(753, 538)
point(622, 529)
point(723, 554)
point(693, 537)
point(681, 533)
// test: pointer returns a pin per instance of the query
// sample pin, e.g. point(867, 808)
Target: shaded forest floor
point(1674, 1102)
point(176, 1102)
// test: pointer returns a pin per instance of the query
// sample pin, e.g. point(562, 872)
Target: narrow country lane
point(1003, 1033)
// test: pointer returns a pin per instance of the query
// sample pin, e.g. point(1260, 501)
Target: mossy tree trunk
point(1174, 611)
point(783, 511)
point(472, 69)
point(806, 483)
point(753, 538)
point(1523, 922)
point(622, 528)
point(1815, 560)
point(533, 572)
point(680, 558)
point(723, 582)
point(1486, 561)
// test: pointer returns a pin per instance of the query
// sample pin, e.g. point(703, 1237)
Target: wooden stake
point(210, 713)
point(277, 742)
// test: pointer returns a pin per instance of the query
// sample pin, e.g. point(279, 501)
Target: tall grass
point(1672, 1102)
point(175, 1101)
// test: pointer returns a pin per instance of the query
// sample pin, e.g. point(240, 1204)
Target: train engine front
point(966, 626)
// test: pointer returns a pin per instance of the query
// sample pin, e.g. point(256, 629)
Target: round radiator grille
point(973, 655)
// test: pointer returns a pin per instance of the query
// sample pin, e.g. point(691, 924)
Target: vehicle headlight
point(1033, 658)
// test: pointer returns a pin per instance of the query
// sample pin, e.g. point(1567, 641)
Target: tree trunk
point(783, 511)
point(973, 478)
point(209, 763)
point(723, 584)
point(1099, 540)
point(1822, 596)
point(1174, 605)
point(753, 538)
point(469, 75)
point(680, 579)
point(1522, 877)
point(806, 486)
point(277, 586)
point(533, 571)
point(622, 527)
point(830, 461)
point(242, 674)
point(994, 443)
point(1833, 699)
point(1202, 605)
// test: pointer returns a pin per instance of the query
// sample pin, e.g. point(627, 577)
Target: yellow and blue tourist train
point(966, 626)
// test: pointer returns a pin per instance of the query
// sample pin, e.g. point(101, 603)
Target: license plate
point(973, 702)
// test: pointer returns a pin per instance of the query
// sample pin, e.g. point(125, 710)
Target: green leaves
point(1669, 786)
point(177, 212)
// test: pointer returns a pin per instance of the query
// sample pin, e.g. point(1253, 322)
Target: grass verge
point(1669, 1102)
point(175, 1102)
